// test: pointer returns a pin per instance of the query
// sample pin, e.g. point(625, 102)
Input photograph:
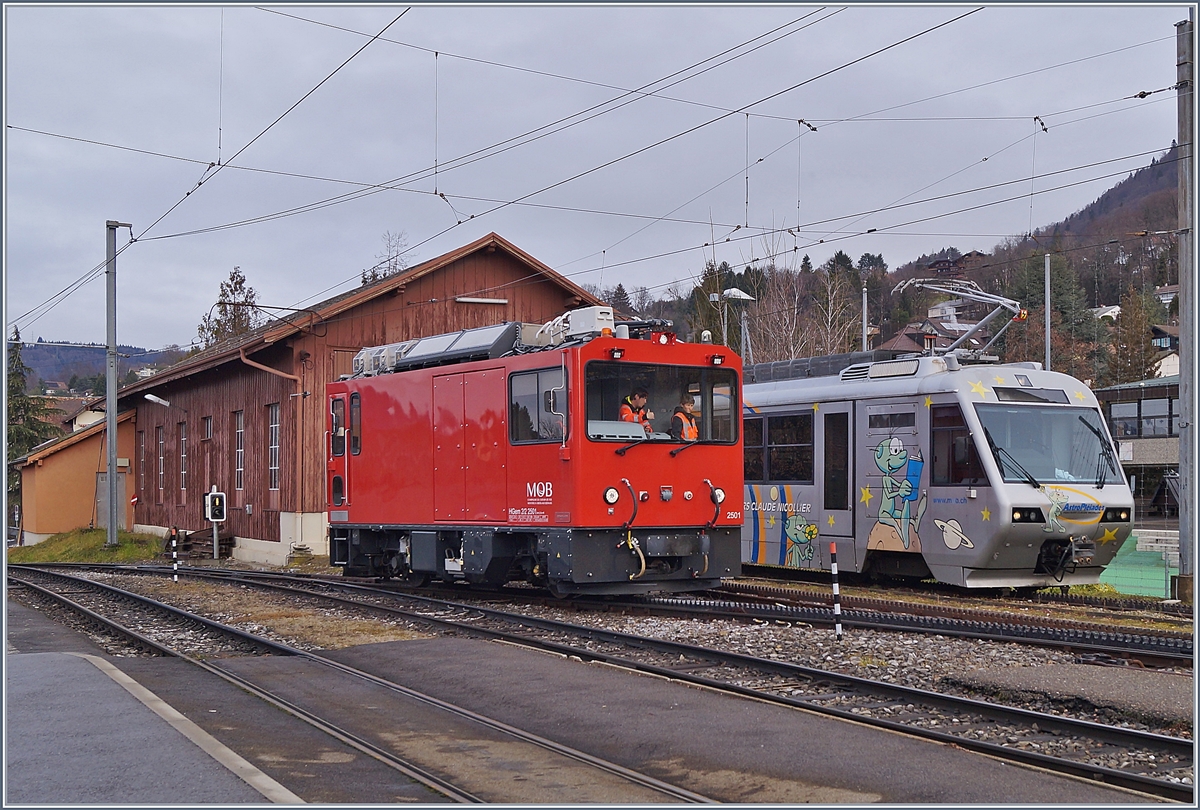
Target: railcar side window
point(537, 406)
point(752, 437)
point(337, 430)
point(790, 448)
point(355, 424)
point(837, 461)
point(955, 460)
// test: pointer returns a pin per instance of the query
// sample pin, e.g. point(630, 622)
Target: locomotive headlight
point(1119, 514)
point(718, 495)
point(1027, 515)
point(611, 495)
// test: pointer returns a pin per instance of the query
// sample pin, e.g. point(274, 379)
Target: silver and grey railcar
point(979, 475)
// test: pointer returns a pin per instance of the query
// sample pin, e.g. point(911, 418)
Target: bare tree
point(833, 322)
point(779, 321)
point(391, 258)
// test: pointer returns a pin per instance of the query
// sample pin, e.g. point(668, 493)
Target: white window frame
point(273, 446)
point(239, 450)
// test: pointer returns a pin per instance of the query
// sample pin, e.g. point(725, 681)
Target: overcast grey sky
point(610, 142)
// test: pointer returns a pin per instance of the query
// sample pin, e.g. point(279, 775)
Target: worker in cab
point(633, 409)
point(683, 421)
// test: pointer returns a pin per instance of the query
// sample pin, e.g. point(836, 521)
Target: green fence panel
point(1139, 573)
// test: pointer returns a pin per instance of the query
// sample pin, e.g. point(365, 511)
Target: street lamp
point(722, 300)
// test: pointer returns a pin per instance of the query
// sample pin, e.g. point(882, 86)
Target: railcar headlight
point(1027, 515)
point(1117, 514)
point(611, 495)
point(718, 495)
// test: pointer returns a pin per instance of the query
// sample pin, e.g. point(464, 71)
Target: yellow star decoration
point(866, 496)
point(771, 520)
point(999, 380)
point(928, 402)
point(830, 521)
point(816, 406)
point(1079, 395)
point(978, 388)
point(986, 513)
point(1109, 534)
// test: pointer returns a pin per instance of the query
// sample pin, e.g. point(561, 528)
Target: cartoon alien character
point(895, 507)
point(800, 534)
point(1058, 499)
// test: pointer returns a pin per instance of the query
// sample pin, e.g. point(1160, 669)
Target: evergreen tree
point(619, 301)
point(1133, 354)
point(233, 314)
point(31, 420)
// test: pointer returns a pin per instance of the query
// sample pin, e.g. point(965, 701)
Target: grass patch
point(1098, 589)
point(87, 545)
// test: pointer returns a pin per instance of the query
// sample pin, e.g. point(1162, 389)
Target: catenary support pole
point(110, 387)
point(1185, 90)
point(864, 336)
point(1047, 303)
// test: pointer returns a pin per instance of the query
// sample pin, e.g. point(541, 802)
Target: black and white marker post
point(837, 597)
point(174, 555)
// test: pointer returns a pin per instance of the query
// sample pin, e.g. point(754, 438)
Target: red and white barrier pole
point(837, 597)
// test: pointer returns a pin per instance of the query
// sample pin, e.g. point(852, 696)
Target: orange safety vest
point(687, 428)
point(632, 414)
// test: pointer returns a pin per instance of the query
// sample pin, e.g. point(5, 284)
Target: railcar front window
point(1054, 444)
point(714, 390)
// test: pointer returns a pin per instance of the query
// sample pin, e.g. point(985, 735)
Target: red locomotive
point(499, 454)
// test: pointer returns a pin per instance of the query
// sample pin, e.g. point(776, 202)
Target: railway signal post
point(214, 512)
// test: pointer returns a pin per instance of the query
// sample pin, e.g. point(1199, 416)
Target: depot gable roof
point(281, 328)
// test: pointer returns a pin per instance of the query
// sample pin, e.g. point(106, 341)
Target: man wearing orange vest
point(633, 409)
point(683, 422)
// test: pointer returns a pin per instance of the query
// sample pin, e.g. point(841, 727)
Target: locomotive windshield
point(712, 390)
point(1048, 444)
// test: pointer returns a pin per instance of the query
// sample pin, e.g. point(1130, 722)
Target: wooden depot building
point(248, 415)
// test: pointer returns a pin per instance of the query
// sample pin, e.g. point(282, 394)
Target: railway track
point(159, 629)
point(1150, 763)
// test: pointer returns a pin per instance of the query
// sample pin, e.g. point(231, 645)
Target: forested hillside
point(1122, 244)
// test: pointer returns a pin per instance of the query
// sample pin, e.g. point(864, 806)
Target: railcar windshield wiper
point(1106, 457)
point(1000, 454)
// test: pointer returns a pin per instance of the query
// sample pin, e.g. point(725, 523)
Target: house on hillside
point(248, 416)
point(934, 332)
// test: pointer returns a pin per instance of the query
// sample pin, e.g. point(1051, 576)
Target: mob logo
point(539, 489)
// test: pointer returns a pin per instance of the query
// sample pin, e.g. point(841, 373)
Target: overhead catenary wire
point(611, 213)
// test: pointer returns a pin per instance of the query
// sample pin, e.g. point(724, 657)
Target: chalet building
point(938, 332)
point(247, 416)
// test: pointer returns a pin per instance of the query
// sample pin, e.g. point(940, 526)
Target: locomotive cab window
point(716, 401)
point(355, 424)
point(537, 406)
point(337, 427)
point(955, 459)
